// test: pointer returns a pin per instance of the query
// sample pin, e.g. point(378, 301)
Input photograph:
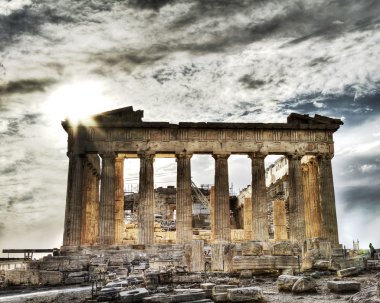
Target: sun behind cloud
point(76, 101)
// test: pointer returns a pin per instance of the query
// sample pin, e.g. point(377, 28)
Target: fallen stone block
point(133, 296)
point(282, 249)
point(207, 287)
point(188, 296)
point(245, 294)
point(321, 264)
point(50, 277)
point(352, 271)
point(97, 261)
point(78, 274)
point(72, 265)
point(251, 249)
point(264, 262)
point(219, 292)
point(246, 274)
point(286, 282)
point(343, 286)
point(195, 278)
point(307, 263)
point(373, 264)
point(22, 277)
point(365, 296)
point(50, 265)
point(304, 284)
point(115, 261)
point(75, 280)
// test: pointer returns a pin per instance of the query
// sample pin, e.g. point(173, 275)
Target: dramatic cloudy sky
point(246, 61)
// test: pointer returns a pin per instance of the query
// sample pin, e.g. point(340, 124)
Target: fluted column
point(146, 200)
point(73, 213)
point(313, 215)
point(107, 200)
point(184, 231)
point(259, 198)
point(296, 200)
point(119, 199)
point(212, 213)
point(279, 220)
point(327, 199)
point(222, 230)
point(248, 226)
point(86, 203)
point(94, 222)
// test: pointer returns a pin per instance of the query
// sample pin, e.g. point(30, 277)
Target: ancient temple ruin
point(97, 148)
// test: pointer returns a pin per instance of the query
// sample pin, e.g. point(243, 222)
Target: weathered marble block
point(343, 286)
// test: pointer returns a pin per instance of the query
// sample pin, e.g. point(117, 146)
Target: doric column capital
point(147, 155)
point(257, 155)
point(71, 154)
point(220, 156)
point(183, 155)
point(108, 155)
point(119, 158)
point(326, 156)
point(294, 156)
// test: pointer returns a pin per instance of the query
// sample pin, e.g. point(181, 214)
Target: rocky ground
point(267, 283)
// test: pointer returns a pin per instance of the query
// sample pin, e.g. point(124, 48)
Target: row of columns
point(82, 215)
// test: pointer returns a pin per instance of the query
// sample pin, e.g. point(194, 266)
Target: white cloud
point(8, 6)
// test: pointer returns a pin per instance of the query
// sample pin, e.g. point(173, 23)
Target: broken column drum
point(98, 147)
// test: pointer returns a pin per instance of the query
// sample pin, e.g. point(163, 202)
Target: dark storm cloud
point(15, 126)
point(25, 86)
point(295, 19)
point(355, 109)
point(18, 166)
point(361, 197)
point(28, 20)
point(127, 59)
point(150, 4)
point(363, 167)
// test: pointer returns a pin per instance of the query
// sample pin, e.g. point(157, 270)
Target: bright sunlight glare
point(76, 101)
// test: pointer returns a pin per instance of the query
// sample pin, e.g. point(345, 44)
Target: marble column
point(107, 200)
point(259, 198)
point(73, 213)
point(296, 200)
point(279, 220)
point(93, 231)
point(327, 199)
point(119, 200)
point(86, 203)
point(212, 213)
point(146, 200)
point(311, 197)
point(248, 226)
point(222, 231)
point(184, 230)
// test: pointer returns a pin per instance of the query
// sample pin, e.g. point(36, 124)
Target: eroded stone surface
point(286, 282)
point(304, 284)
point(352, 271)
point(343, 286)
point(245, 294)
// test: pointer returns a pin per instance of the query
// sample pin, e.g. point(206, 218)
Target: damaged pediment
point(125, 114)
point(297, 119)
